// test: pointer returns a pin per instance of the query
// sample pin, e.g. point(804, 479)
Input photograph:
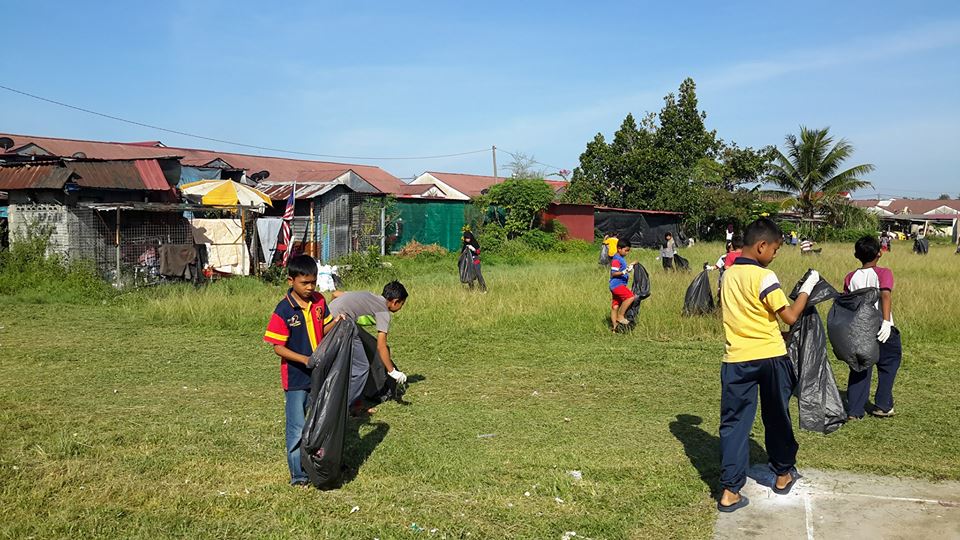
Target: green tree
point(944, 197)
point(522, 200)
point(811, 170)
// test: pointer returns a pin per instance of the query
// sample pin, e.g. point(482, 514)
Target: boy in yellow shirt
point(756, 357)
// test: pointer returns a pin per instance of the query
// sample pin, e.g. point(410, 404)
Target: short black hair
point(395, 291)
point(623, 243)
point(665, 235)
point(301, 265)
point(737, 242)
point(866, 249)
point(763, 229)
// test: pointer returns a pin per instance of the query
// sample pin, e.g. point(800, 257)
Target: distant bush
point(30, 273)
point(556, 228)
point(835, 234)
point(574, 246)
point(539, 240)
point(492, 238)
point(365, 267)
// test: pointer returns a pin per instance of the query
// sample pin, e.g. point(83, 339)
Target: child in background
point(610, 240)
point(295, 329)
point(470, 244)
point(619, 278)
point(867, 251)
point(668, 251)
point(756, 357)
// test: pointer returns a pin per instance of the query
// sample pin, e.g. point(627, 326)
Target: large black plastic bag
point(852, 324)
point(641, 289)
point(818, 397)
point(321, 445)
point(468, 273)
point(921, 246)
point(681, 263)
point(699, 297)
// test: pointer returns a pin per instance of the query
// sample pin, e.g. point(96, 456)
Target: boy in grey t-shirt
point(356, 304)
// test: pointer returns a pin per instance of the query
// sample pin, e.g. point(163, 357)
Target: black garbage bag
point(921, 246)
point(641, 289)
point(852, 325)
point(680, 263)
point(379, 386)
point(818, 397)
point(699, 297)
point(321, 445)
point(468, 273)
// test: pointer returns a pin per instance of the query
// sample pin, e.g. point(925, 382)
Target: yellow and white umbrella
point(225, 193)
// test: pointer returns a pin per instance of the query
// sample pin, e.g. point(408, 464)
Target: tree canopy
point(670, 161)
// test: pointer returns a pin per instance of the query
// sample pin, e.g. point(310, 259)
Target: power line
point(234, 143)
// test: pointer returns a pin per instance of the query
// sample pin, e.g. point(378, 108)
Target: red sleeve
point(615, 266)
point(885, 276)
point(277, 331)
point(846, 282)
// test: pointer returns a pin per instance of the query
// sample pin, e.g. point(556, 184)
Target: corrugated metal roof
point(133, 174)
point(279, 191)
point(635, 211)
point(281, 169)
point(30, 176)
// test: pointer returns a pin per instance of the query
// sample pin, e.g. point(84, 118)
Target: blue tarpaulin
point(195, 174)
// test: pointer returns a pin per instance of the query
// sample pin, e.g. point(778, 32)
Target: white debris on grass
point(526, 493)
point(354, 509)
point(486, 435)
point(558, 499)
point(577, 475)
point(535, 394)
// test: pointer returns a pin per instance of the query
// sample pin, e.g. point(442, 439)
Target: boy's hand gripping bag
point(852, 324)
point(818, 397)
point(641, 289)
point(468, 273)
point(699, 297)
point(321, 445)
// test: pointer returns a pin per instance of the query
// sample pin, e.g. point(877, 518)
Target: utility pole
point(494, 149)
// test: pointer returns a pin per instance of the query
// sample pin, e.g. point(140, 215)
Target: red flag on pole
point(286, 235)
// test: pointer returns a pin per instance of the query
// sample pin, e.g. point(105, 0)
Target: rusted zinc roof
point(279, 191)
point(140, 174)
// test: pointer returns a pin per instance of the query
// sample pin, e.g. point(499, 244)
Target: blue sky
point(426, 78)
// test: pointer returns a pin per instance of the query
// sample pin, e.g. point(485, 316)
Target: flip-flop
point(735, 506)
point(794, 476)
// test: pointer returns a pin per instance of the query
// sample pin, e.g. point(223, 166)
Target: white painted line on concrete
point(889, 498)
point(808, 511)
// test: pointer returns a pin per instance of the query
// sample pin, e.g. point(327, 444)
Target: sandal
point(735, 506)
point(794, 476)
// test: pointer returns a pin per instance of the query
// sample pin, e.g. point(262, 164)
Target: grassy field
point(159, 413)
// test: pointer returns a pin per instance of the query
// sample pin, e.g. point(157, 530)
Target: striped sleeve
point(325, 315)
point(771, 294)
point(277, 331)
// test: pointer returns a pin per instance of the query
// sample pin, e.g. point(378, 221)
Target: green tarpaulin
point(429, 222)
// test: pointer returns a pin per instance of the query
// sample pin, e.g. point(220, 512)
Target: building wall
point(577, 218)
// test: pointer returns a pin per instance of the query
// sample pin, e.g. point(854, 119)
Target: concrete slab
point(827, 505)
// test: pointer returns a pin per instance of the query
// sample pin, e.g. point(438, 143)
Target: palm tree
point(810, 172)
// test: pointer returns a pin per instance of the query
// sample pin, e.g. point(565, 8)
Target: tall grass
point(159, 413)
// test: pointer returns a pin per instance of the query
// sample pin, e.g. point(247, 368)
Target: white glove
point(810, 283)
point(884, 334)
point(398, 376)
point(626, 271)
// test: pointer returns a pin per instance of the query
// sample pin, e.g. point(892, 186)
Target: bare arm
point(791, 313)
point(384, 351)
point(290, 356)
point(886, 303)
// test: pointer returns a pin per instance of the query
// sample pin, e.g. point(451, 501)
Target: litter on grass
point(355, 509)
point(486, 435)
point(577, 475)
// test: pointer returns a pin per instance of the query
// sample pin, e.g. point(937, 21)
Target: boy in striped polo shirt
point(756, 358)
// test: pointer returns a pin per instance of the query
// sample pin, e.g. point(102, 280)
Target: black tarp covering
point(640, 229)
point(818, 397)
point(321, 445)
point(921, 246)
point(641, 289)
point(852, 325)
point(468, 273)
point(699, 297)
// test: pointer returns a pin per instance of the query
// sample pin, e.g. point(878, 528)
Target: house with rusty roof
point(465, 187)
